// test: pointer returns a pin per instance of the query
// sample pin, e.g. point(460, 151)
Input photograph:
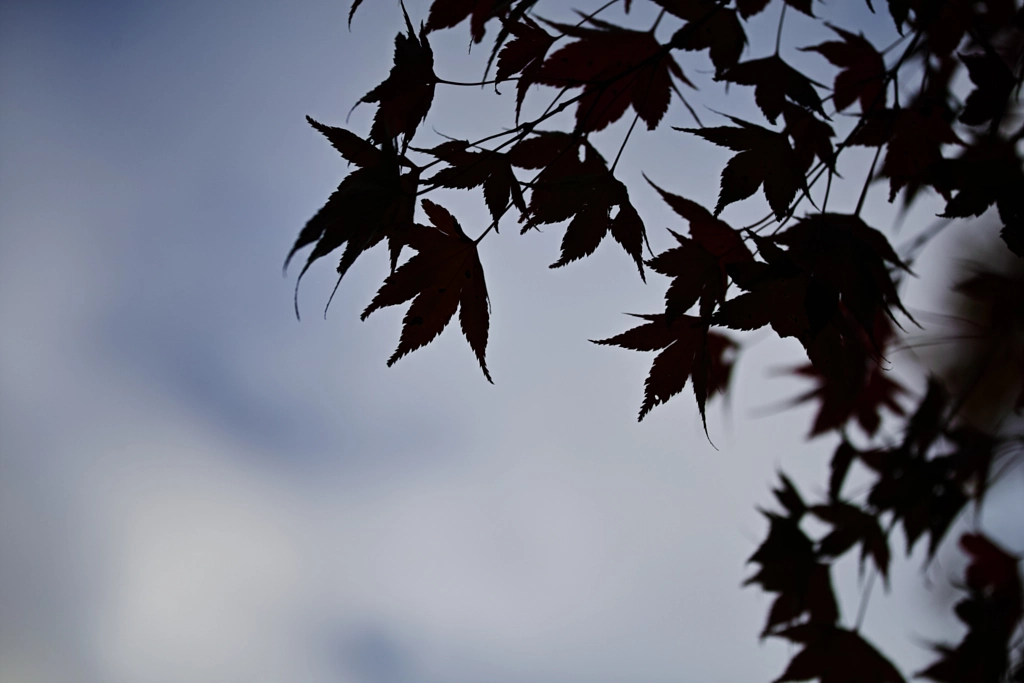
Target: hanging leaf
point(444, 275)
point(405, 96)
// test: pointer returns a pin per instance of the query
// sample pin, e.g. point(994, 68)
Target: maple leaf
point(774, 82)
point(472, 169)
point(898, 10)
point(449, 13)
point(991, 613)
point(863, 70)
point(749, 8)
point(524, 55)
point(790, 499)
point(972, 459)
point(404, 97)
point(832, 259)
point(765, 158)
point(989, 172)
point(868, 397)
point(839, 466)
point(811, 137)
point(373, 202)
point(925, 425)
point(777, 294)
point(850, 526)
point(709, 26)
point(790, 566)
point(617, 68)
point(444, 275)
point(865, 393)
point(915, 148)
point(835, 655)
point(722, 352)
point(685, 353)
point(584, 191)
point(994, 82)
point(698, 264)
point(352, 11)
point(922, 494)
point(842, 251)
point(945, 23)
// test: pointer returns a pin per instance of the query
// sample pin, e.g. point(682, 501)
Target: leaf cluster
point(823, 277)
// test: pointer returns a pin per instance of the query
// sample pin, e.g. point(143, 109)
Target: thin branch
point(867, 182)
point(778, 33)
point(624, 141)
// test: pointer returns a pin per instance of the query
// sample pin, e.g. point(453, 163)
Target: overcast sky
point(196, 487)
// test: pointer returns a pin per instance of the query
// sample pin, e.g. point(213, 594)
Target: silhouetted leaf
point(698, 264)
point(991, 612)
point(994, 81)
point(850, 526)
point(790, 567)
point(835, 655)
point(472, 169)
point(405, 96)
point(765, 157)
point(685, 353)
point(444, 275)
point(863, 71)
point(866, 392)
point(581, 190)
point(374, 202)
point(709, 26)
point(449, 13)
point(774, 82)
point(616, 68)
point(989, 171)
point(524, 55)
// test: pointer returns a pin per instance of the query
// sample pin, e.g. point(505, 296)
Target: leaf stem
point(624, 141)
point(867, 182)
point(778, 33)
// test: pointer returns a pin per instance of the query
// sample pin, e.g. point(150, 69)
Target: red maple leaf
point(472, 169)
point(994, 81)
point(698, 264)
point(765, 158)
point(863, 71)
point(991, 613)
point(444, 275)
point(583, 190)
point(777, 294)
point(449, 13)
point(749, 8)
point(373, 202)
point(791, 567)
point(866, 392)
point(989, 172)
point(922, 494)
point(774, 83)
point(685, 353)
point(915, 137)
point(523, 55)
point(709, 26)
point(405, 96)
point(850, 526)
point(843, 252)
point(616, 68)
point(811, 136)
point(835, 655)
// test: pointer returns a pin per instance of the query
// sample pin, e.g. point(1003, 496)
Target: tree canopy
point(940, 108)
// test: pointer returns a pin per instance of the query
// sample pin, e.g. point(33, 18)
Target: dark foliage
point(826, 279)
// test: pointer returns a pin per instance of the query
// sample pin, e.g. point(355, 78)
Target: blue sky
point(197, 487)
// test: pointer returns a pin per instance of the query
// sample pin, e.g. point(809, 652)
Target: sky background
point(196, 487)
